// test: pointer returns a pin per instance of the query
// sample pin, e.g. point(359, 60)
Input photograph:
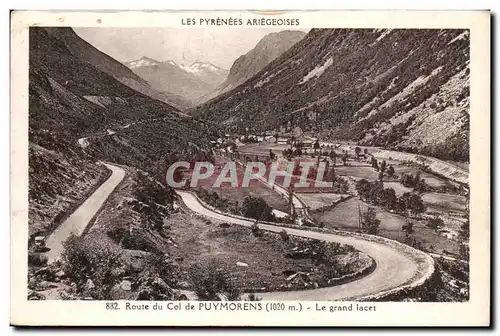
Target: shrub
point(210, 281)
point(37, 260)
point(340, 185)
point(148, 191)
point(213, 199)
point(374, 193)
point(131, 240)
point(414, 181)
point(162, 265)
point(388, 198)
point(412, 202)
point(464, 232)
point(256, 230)
point(363, 187)
point(90, 259)
point(370, 222)
point(463, 251)
point(308, 223)
point(435, 223)
point(284, 236)
point(408, 229)
point(253, 297)
point(256, 207)
point(329, 271)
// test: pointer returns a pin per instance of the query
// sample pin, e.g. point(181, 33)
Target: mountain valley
point(188, 83)
point(402, 89)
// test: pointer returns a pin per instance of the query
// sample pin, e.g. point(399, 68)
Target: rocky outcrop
point(155, 288)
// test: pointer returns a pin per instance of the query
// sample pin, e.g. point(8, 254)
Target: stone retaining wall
point(331, 206)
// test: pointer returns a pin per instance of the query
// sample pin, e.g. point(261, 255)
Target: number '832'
point(112, 305)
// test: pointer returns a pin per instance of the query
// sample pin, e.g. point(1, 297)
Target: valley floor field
point(449, 206)
point(238, 194)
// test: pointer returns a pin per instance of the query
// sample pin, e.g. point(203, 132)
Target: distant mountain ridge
point(405, 89)
point(188, 82)
point(195, 67)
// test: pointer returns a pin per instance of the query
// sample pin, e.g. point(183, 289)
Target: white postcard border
point(474, 312)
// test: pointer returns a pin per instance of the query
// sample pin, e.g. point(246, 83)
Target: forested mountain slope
point(71, 99)
point(404, 89)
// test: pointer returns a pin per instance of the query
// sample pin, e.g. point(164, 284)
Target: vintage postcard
point(250, 168)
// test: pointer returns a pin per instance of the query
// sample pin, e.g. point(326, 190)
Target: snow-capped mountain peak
point(196, 68)
point(187, 82)
point(200, 67)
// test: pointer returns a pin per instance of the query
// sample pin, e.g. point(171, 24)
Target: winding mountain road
point(394, 268)
point(81, 217)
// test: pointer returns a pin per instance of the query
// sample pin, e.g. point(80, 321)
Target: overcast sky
point(220, 46)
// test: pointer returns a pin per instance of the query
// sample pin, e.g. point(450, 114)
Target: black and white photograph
point(248, 162)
